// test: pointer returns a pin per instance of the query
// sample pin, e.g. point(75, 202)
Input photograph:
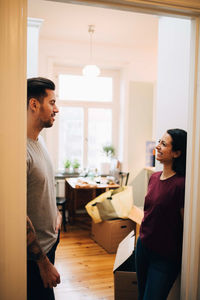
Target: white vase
point(105, 168)
point(66, 170)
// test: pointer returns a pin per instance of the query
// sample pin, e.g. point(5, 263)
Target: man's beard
point(47, 124)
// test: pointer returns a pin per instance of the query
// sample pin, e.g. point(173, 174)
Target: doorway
point(18, 12)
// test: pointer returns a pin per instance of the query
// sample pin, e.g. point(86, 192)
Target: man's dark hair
point(36, 88)
point(179, 143)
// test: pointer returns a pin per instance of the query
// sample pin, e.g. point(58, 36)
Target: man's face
point(48, 110)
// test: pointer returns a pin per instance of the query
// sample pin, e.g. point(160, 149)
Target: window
point(86, 116)
point(71, 126)
point(80, 88)
point(99, 133)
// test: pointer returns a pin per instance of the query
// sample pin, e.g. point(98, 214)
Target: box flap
point(136, 214)
point(125, 249)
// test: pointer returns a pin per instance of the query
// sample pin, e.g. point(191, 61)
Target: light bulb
point(91, 71)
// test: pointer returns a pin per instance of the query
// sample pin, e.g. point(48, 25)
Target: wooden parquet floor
point(85, 267)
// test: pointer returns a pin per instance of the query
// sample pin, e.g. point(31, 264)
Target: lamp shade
point(91, 71)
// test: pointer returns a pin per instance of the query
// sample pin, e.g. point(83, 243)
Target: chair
point(61, 200)
point(123, 178)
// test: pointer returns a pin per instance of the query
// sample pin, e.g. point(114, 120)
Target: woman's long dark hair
point(179, 143)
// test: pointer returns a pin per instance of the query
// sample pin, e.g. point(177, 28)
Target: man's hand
point(48, 273)
point(58, 221)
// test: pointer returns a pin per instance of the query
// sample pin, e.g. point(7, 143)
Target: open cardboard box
point(116, 230)
point(125, 281)
point(109, 234)
point(136, 214)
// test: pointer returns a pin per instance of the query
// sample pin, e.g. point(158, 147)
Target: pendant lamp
point(91, 70)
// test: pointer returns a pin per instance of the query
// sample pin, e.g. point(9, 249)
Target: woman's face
point(165, 154)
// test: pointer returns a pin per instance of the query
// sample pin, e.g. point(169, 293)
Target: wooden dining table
point(79, 194)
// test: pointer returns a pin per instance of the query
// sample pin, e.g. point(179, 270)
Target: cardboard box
point(125, 280)
point(109, 234)
point(136, 215)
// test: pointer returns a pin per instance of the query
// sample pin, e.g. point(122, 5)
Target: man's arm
point(48, 272)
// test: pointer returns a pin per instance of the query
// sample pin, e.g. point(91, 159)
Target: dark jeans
point(35, 287)
point(155, 274)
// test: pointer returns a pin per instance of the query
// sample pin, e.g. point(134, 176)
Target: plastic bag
point(121, 202)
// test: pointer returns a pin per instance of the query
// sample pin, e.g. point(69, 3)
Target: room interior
point(19, 69)
point(135, 48)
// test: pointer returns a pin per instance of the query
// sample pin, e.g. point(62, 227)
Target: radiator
point(60, 188)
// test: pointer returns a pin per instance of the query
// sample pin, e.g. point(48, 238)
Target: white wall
point(173, 74)
point(140, 130)
point(32, 46)
point(141, 63)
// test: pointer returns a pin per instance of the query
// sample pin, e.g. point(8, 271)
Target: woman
point(159, 246)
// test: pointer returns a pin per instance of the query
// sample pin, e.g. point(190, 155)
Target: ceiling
point(70, 22)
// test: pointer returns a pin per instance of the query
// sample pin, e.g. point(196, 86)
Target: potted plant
point(109, 150)
point(67, 165)
point(75, 165)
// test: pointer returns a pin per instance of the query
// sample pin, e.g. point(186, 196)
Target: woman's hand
point(58, 222)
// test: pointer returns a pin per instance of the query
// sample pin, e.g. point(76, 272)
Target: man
point(44, 219)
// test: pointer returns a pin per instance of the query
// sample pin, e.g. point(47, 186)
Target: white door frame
point(13, 141)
